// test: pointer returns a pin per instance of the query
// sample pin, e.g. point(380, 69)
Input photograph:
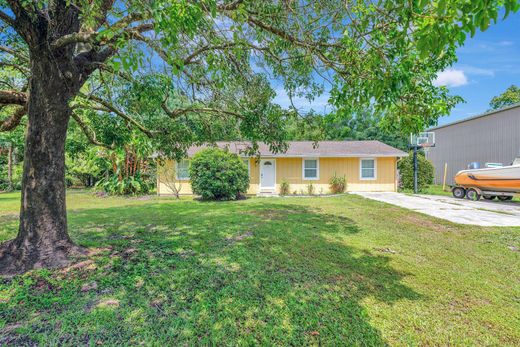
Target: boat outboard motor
point(517, 160)
point(474, 165)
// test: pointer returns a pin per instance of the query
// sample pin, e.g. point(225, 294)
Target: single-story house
point(367, 165)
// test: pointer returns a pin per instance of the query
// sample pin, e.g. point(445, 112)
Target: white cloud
point(472, 70)
point(451, 78)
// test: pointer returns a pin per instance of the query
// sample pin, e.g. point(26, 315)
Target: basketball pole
point(415, 169)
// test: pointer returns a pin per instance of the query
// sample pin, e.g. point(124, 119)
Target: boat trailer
point(475, 193)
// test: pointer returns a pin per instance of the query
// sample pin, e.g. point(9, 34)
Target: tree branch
point(90, 37)
point(231, 6)
point(22, 22)
point(14, 53)
point(13, 97)
point(101, 16)
point(6, 18)
point(13, 121)
point(83, 37)
point(89, 133)
point(25, 71)
point(111, 108)
point(203, 49)
point(181, 111)
point(104, 67)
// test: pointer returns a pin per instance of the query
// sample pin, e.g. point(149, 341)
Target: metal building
point(491, 137)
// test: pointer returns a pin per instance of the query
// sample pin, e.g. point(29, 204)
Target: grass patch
point(433, 189)
point(330, 271)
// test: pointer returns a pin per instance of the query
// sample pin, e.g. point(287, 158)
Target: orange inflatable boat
point(496, 182)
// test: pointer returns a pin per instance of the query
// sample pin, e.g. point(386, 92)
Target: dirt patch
point(101, 195)
point(424, 223)
point(385, 250)
point(142, 197)
point(514, 248)
point(86, 264)
point(239, 237)
point(13, 339)
point(108, 303)
point(89, 286)
point(8, 336)
point(9, 328)
point(42, 286)
point(466, 303)
point(270, 214)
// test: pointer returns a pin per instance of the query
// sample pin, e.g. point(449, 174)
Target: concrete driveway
point(483, 213)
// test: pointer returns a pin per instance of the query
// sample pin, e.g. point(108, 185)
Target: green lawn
point(283, 271)
point(433, 189)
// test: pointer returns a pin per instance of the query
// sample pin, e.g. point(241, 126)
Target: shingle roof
point(319, 149)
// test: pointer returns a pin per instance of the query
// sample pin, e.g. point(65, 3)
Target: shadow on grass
point(205, 273)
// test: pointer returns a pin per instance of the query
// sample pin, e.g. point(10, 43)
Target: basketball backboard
point(424, 139)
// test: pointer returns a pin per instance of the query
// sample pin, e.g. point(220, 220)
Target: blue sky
point(487, 65)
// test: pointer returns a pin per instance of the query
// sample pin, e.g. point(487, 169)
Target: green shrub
point(424, 175)
point(132, 185)
point(310, 189)
point(285, 188)
point(337, 184)
point(216, 174)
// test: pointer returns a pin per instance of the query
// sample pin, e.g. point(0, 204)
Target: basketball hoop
point(424, 140)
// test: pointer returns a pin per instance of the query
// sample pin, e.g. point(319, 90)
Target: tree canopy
point(214, 59)
point(181, 72)
point(510, 97)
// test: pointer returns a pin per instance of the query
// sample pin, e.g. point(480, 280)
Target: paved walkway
point(462, 211)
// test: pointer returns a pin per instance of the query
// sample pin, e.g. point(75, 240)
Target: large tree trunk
point(10, 167)
point(42, 240)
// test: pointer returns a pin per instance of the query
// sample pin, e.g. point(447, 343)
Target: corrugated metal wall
point(492, 138)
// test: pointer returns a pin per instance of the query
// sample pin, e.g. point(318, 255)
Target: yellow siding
point(166, 178)
point(290, 169)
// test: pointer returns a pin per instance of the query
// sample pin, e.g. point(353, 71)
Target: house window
point(183, 167)
point(246, 161)
point(368, 169)
point(311, 169)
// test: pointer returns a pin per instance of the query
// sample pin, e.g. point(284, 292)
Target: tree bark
point(42, 239)
point(10, 167)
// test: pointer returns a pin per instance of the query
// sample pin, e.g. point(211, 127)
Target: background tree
point(336, 125)
point(11, 154)
point(510, 97)
point(218, 56)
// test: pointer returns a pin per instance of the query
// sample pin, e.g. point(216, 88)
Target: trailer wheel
point(489, 197)
point(472, 194)
point(505, 198)
point(459, 192)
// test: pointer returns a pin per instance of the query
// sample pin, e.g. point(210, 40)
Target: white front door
point(267, 173)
